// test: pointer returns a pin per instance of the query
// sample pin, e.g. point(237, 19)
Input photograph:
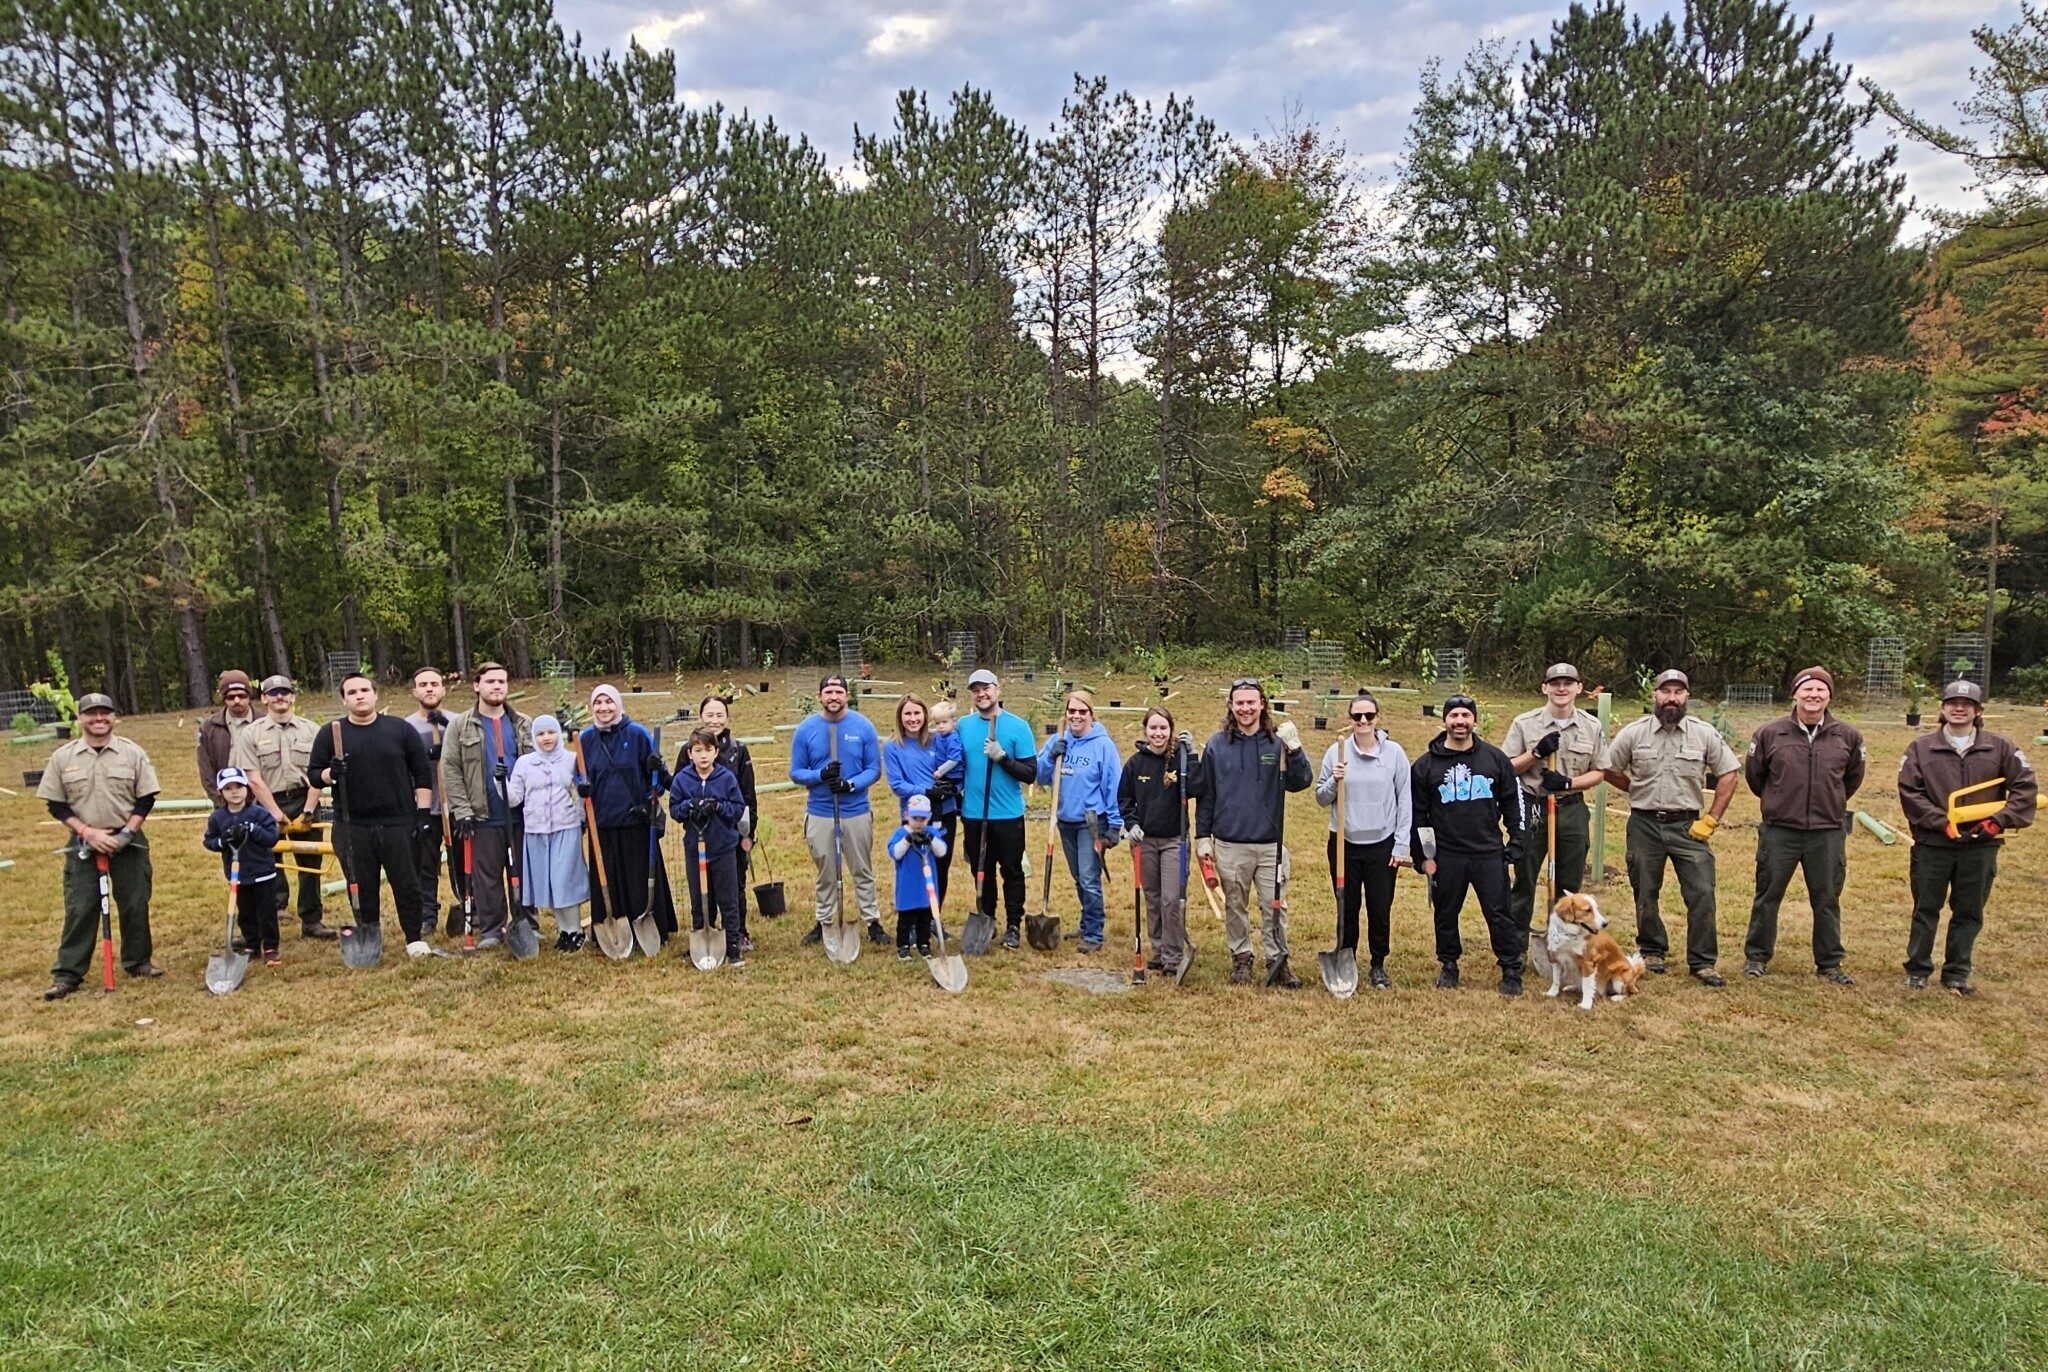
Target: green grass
point(569, 1164)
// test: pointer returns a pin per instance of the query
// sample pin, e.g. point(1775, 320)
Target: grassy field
point(570, 1163)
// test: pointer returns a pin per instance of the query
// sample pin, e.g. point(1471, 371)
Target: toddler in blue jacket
point(912, 846)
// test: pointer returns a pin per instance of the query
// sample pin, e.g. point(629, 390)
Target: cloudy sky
point(823, 66)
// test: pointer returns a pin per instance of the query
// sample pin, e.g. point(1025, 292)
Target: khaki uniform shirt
point(277, 752)
point(1669, 769)
point(101, 785)
point(1578, 751)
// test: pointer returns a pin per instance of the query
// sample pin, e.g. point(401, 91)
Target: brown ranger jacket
point(1802, 784)
point(1932, 769)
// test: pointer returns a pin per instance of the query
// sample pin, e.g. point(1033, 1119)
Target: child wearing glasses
point(1090, 821)
point(1377, 812)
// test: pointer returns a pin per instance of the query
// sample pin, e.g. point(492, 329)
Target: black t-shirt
point(387, 761)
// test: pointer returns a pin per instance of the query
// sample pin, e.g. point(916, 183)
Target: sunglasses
point(1248, 683)
point(1367, 714)
point(272, 695)
point(1079, 710)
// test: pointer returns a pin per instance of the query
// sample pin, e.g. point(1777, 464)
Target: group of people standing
point(522, 813)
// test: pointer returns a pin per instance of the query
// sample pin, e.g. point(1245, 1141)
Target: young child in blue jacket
point(247, 834)
point(911, 846)
point(705, 798)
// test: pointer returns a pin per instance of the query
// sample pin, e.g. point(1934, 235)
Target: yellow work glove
point(1703, 828)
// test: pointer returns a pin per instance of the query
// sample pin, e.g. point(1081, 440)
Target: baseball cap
point(277, 683)
point(230, 776)
point(982, 676)
point(233, 676)
point(1560, 671)
point(1672, 677)
point(919, 805)
point(1962, 690)
point(834, 679)
point(1461, 702)
point(95, 701)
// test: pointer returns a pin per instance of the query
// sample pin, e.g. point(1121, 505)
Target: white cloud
point(653, 32)
point(1922, 67)
point(902, 33)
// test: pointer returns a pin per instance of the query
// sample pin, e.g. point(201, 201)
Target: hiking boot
point(1961, 988)
point(876, 934)
point(1915, 981)
point(1707, 976)
point(1240, 968)
point(59, 989)
point(317, 930)
point(146, 971)
point(1511, 985)
point(1091, 946)
point(1447, 977)
point(1654, 963)
point(1836, 976)
point(1153, 964)
point(1281, 975)
point(272, 958)
point(1752, 969)
point(815, 934)
point(902, 952)
point(1010, 938)
point(1376, 977)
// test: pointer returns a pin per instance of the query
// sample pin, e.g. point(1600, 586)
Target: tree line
point(419, 331)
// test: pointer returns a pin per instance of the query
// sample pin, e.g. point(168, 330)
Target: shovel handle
point(106, 918)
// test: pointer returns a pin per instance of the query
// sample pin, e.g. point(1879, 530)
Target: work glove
point(1989, 829)
point(641, 813)
point(1205, 849)
point(649, 765)
point(1547, 746)
point(990, 748)
point(501, 773)
point(1703, 828)
point(830, 776)
point(844, 787)
point(123, 836)
point(423, 823)
point(583, 790)
point(438, 718)
point(1111, 836)
point(944, 790)
point(237, 835)
point(920, 838)
point(705, 811)
point(1555, 783)
point(337, 768)
point(1058, 749)
point(1132, 833)
point(1185, 740)
point(1289, 735)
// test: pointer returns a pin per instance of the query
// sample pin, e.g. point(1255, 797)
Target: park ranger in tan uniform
point(1663, 761)
point(101, 787)
point(274, 751)
point(1555, 749)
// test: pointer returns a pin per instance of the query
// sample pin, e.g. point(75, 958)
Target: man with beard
point(431, 723)
point(1465, 791)
point(1663, 761)
point(836, 755)
point(218, 731)
point(1001, 760)
point(1248, 767)
point(275, 751)
point(482, 744)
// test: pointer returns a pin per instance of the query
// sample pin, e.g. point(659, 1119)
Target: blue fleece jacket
point(625, 772)
point(1089, 774)
point(259, 856)
point(721, 835)
point(1005, 792)
point(860, 761)
point(911, 768)
point(909, 860)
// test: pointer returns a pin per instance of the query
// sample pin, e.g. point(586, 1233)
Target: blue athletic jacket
point(860, 761)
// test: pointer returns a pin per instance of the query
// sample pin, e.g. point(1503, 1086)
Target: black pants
point(372, 854)
point(1368, 872)
point(1962, 877)
point(948, 825)
point(291, 802)
point(1004, 855)
point(1574, 840)
point(727, 911)
point(426, 866)
point(1487, 875)
point(914, 926)
point(256, 914)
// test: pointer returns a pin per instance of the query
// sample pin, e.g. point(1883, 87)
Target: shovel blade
point(1042, 932)
point(1187, 961)
point(224, 972)
point(980, 931)
point(614, 938)
point(949, 971)
point(1340, 972)
point(646, 935)
point(363, 945)
point(707, 949)
point(842, 941)
point(522, 937)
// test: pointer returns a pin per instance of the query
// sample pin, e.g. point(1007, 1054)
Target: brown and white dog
point(1577, 938)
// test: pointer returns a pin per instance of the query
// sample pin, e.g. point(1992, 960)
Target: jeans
point(1086, 865)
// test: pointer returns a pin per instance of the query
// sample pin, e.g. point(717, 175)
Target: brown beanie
point(1820, 674)
point(231, 677)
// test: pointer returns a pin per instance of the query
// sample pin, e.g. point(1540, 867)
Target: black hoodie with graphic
point(1466, 797)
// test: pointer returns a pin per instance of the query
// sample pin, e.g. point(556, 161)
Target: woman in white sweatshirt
point(1378, 809)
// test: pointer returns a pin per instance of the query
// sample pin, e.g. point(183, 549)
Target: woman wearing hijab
point(551, 858)
point(623, 776)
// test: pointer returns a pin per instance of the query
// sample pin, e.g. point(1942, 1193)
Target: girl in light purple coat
point(551, 859)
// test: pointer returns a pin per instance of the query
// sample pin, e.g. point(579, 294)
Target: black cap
point(834, 679)
point(1461, 702)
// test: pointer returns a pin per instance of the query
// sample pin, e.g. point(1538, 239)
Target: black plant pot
point(768, 896)
point(1306, 683)
point(34, 778)
point(1912, 719)
point(764, 688)
point(63, 730)
point(1322, 724)
point(1429, 712)
point(1116, 704)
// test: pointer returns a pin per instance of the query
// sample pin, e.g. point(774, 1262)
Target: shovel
point(225, 969)
point(1137, 916)
point(842, 940)
point(981, 927)
point(646, 933)
point(613, 936)
point(1340, 964)
point(707, 945)
point(947, 969)
point(522, 935)
point(1042, 930)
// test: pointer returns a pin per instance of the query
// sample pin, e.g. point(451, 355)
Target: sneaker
point(1447, 977)
point(1282, 976)
point(1752, 969)
point(1376, 977)
point(1240, 968)
point(1654, 963)
point(1153, 964)
point(1707, 976)
point(272, 958)
point(239, 944)
point(1915, 982)
point(1836, 976)
point(317, 930)
point(562, 944)
point(902, 952)
point(419, 948)
point(924, 950)
point(1010, 938)
point(735, 959)
point(1511, 986)
point(1091, 946)
point(576, 940)
point(146, 971)
point(876, 934)
point(815, 934)
point(490, 941)
point(746, 944)
point(1961, 988)
point(59, 989)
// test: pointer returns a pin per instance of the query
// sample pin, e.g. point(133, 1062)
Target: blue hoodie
point(625, 772)
point(1005, 792)
point(1089, 774)
point(722, 834)
point(860, 762)
point(259, 855)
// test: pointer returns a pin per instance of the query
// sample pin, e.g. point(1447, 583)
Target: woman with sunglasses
point(1090, 820)
point(1377, 813)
